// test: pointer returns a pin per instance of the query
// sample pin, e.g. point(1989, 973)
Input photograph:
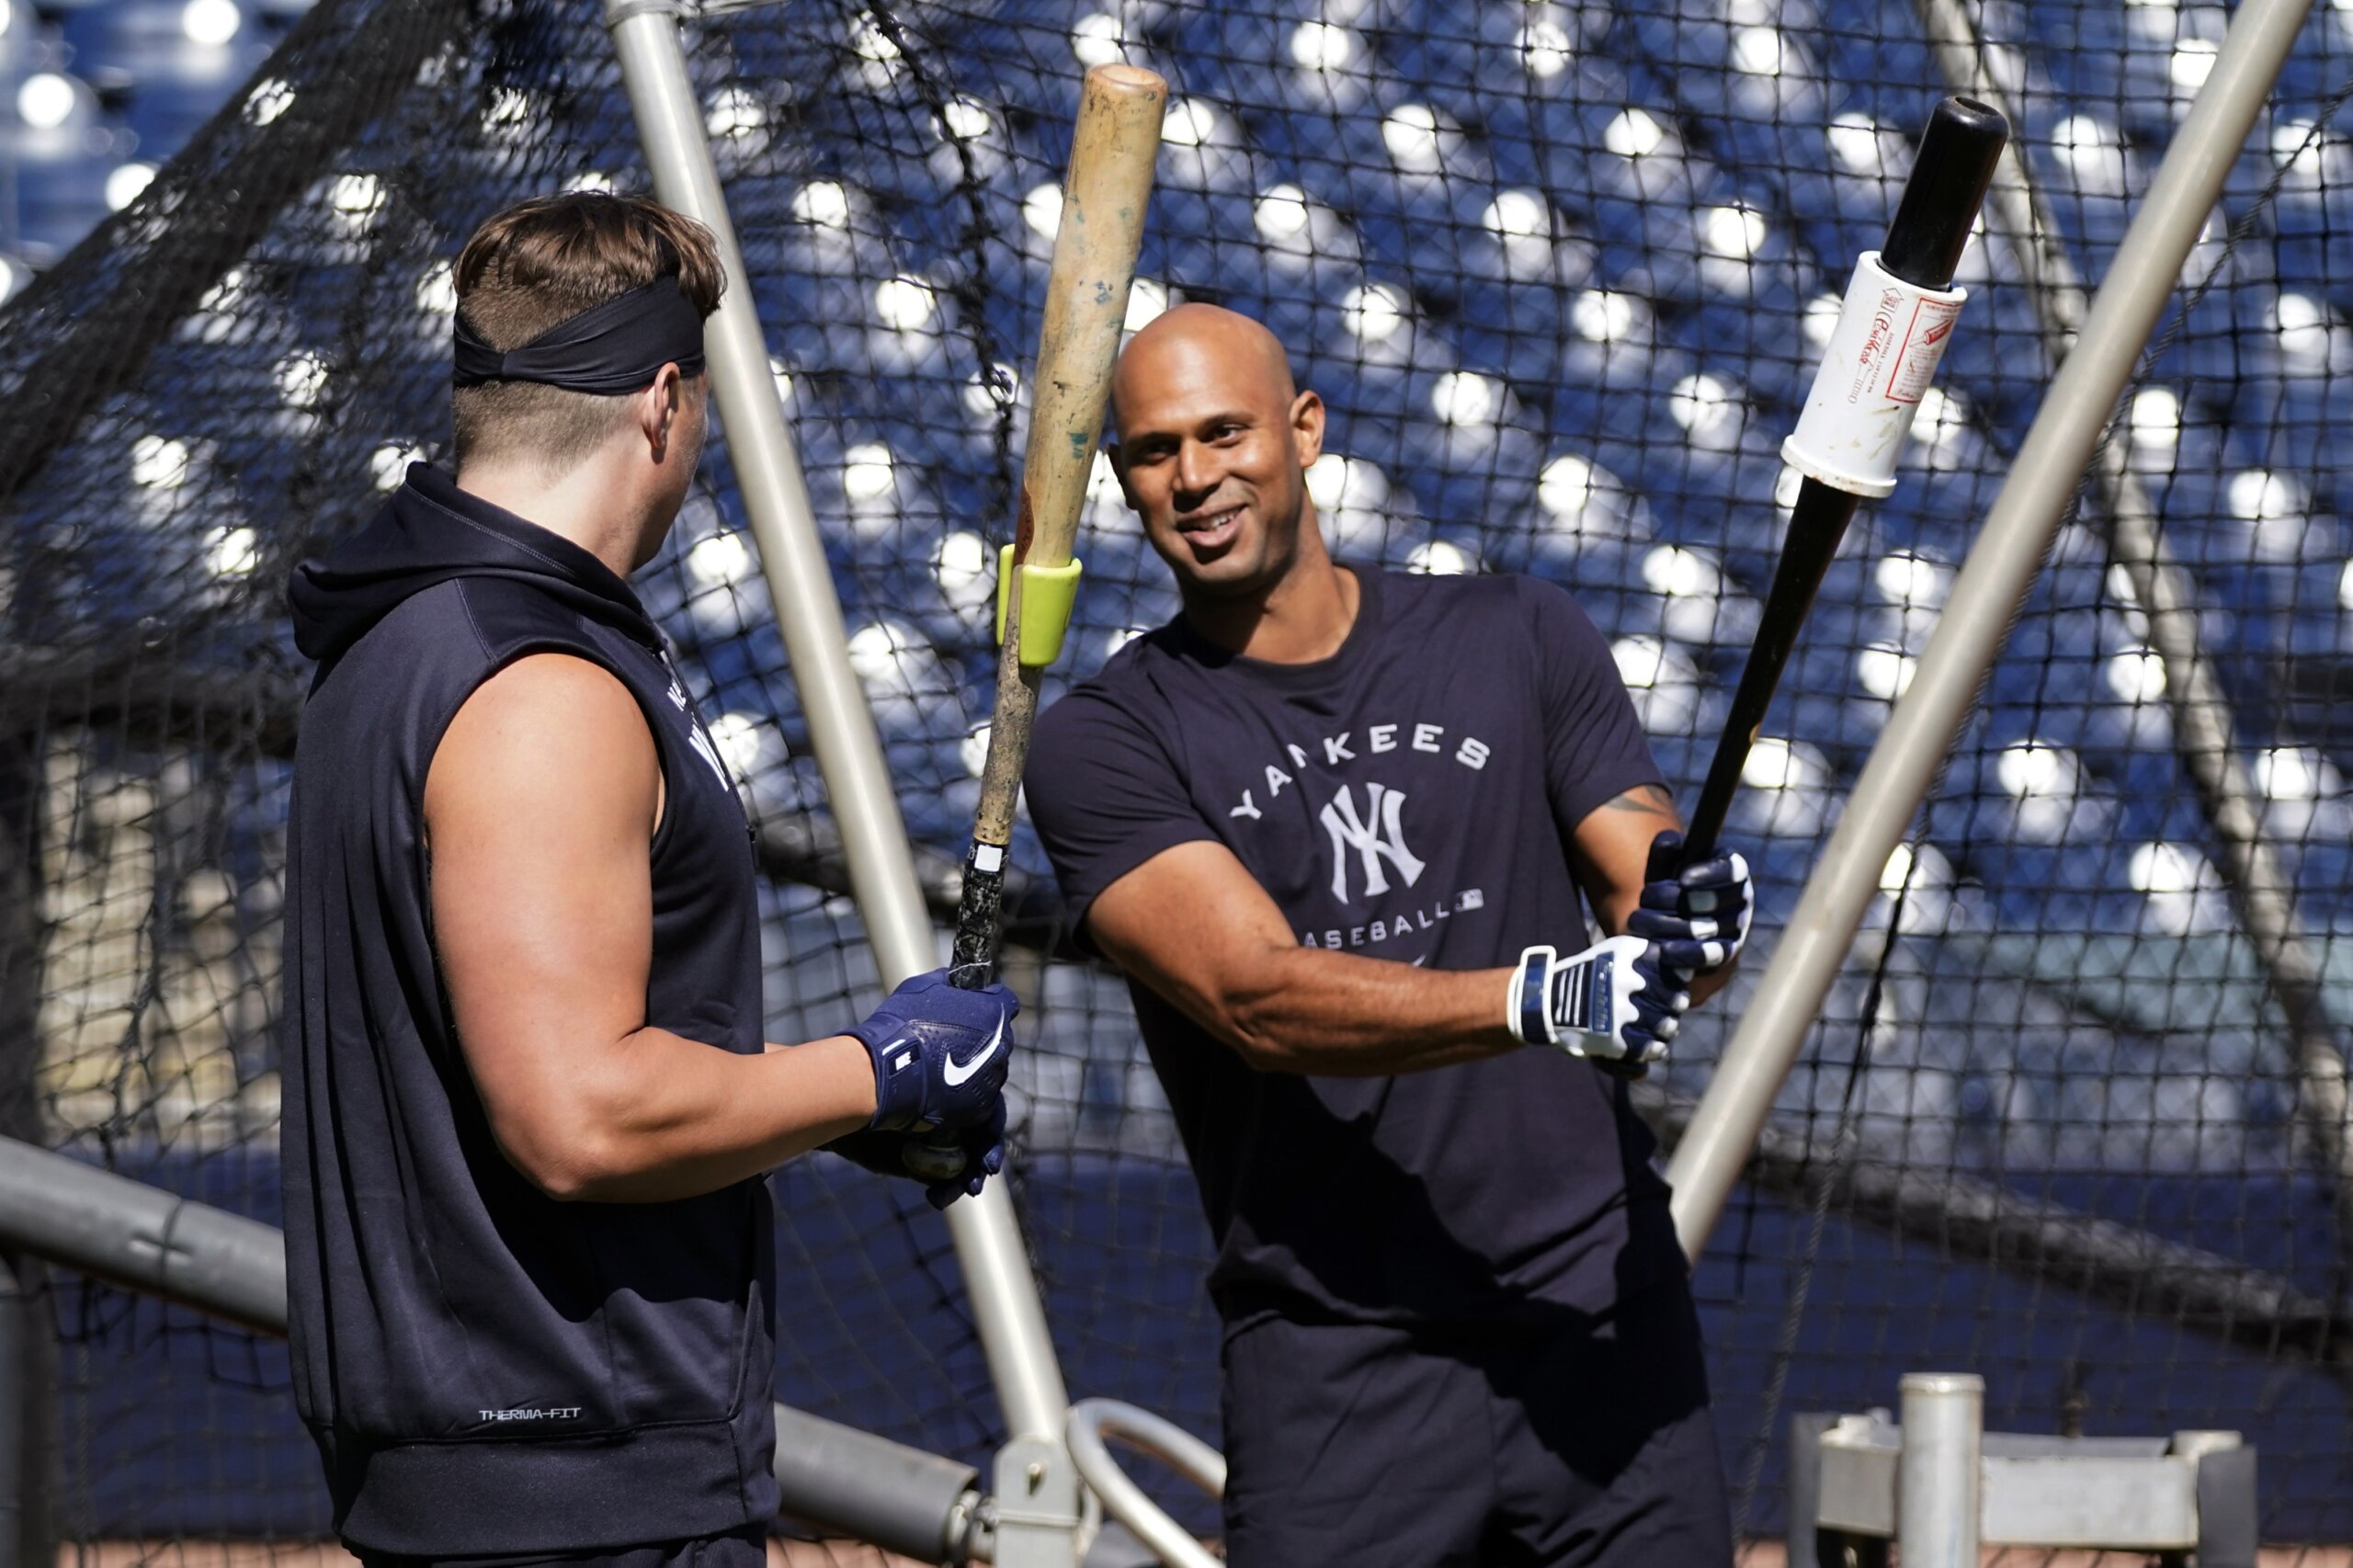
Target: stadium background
point(1561, 272)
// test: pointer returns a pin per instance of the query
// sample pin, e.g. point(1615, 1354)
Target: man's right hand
point(1616, 1003)
point(939, 1053)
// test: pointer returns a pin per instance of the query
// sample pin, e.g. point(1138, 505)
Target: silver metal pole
point(1991, 585)
point(1004, 1294)
point(1939, 1472)
point(2203, 730)
point(116, 1229)
point(1092, 1421)
point(869, 1488)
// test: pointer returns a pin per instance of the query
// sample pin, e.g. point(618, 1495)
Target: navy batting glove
point(951, 1169)
point(1699, 917)
point(959, 1169)
point(939, 1053)
point(1617, 1004)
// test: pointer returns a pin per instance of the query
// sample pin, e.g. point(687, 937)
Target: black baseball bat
point(1956, 162)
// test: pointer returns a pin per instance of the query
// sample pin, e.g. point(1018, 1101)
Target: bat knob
point(1949, 174)
point(1117, 77)
point(1667, 858)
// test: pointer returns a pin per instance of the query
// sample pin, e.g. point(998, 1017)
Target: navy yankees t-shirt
point(1410, 797)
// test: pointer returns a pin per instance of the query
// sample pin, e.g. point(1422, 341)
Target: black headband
point(617, 346)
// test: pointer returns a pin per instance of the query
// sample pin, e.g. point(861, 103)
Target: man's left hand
point(949, 1170)
point(1699, 917)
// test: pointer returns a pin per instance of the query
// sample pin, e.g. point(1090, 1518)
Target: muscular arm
point(539, 811)
point(1196, 926)
point(1193, 924)
point(1610, 851)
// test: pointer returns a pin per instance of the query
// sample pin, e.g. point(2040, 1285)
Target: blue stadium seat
point(1503, 53)
point(1752, 323)
point(1398, 165)
point(910, 159)
point(193, 45)
point(1203, 148)
point(826, 339)
point(2016, 775)
point(1428, 250)
point(58, 202)
point(1519, 326)
point(60, 155)
point(1610, 362)
point(1525, 131)
point(23, 46)
point(1242, 57)
point(1606, 576)
point(165, 109)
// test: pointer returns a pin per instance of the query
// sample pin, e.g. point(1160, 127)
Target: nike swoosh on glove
point(1615, 1003)
point(1699, 917)
point(939, 1053)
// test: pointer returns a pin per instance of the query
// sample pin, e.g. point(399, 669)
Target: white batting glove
point(1615, 1004)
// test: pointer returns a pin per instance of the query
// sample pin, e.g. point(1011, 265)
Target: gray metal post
point(869, 1488)
point(132, 1234)
point(1036, 1488)
point(2203, 730)
point(1939, 1477)
point(1991, 586)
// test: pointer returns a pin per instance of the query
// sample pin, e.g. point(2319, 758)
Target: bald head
point(1214, 440)
point(1206, 347)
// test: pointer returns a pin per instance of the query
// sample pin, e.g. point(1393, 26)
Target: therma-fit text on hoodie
point(1410, 797)
point(487, 1371)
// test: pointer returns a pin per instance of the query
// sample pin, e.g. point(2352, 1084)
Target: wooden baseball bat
point(1104, 193)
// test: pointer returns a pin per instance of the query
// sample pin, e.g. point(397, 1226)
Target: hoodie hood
point(429, 532)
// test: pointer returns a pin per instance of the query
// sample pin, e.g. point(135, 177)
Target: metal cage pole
point(2203, 728)
point(1938, 1507)
point(1992, 583)
point(1036, 1488)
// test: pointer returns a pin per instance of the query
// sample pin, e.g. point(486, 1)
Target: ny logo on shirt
point(1377, 836)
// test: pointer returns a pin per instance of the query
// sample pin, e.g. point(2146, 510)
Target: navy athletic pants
point(1588, 1446)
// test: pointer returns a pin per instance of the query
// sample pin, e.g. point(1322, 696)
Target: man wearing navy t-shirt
point(1341, 830)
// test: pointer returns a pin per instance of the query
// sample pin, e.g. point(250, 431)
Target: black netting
point(1561, 272)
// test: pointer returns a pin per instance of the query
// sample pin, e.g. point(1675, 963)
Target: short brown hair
point(540, 263)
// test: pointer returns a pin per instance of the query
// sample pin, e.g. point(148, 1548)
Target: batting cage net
point(1561, 272)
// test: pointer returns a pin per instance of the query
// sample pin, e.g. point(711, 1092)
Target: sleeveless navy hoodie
point(487, 1371)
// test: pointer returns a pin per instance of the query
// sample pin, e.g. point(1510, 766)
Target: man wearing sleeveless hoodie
point(528, 1104)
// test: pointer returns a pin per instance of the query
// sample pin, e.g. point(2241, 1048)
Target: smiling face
point(1213, 447)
